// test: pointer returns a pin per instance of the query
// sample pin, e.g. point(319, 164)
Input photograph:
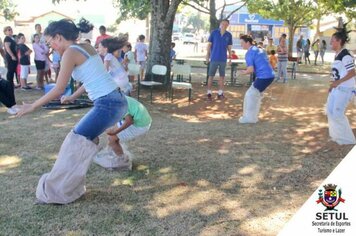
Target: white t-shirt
point(130, 57)
point(343, 63)
point(118, 72)
point(141, 50)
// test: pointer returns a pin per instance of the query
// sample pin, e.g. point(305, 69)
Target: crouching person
point(136, 123)
point(256, 62)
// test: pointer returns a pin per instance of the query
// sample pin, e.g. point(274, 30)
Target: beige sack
point(65, 182)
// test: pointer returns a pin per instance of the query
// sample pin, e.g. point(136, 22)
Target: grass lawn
point(197, 171)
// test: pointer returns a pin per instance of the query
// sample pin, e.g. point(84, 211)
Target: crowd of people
point(116, 53)
point(102, 72)
point(304, 47)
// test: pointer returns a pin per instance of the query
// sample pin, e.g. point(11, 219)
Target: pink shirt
point(41, 51)
point(101, 38)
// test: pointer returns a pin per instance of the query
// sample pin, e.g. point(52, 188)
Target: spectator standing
point(307, 51)
point(141, 54)
point(322, 50)
point(316, 48)
point(172, 53)
point(38, 31)
point(273, 59)
point(265, 41)
point(102, 36)
point(270, 46)
point(282, 60)
point(10, 54)
point(129, 59)
point(220, 41)
point(41, 51)
point(25, 53)
point(300, 49)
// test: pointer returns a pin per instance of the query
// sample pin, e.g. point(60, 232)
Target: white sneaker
point(112, 162)
point(13, 110)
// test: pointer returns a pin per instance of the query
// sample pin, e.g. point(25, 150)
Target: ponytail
point(68, 29)
point(342, 34)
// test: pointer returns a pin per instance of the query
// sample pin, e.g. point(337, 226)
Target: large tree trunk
point(291, 29)
point(214, 22)
point(317, 32)
point(162, 17)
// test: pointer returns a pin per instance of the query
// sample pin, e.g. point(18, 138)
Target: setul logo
point(330, 198)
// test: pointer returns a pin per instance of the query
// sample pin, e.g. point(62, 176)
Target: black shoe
point(26, 88)
point(209, 97)
point(221, 97)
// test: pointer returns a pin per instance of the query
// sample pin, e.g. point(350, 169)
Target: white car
point(189, 38)
point(177, 36)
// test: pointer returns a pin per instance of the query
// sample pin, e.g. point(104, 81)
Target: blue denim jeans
point(107, 111)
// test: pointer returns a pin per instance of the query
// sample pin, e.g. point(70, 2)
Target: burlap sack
point(251, 106)
point(66, 181)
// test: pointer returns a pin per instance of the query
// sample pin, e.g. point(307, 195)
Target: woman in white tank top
point(65, 182)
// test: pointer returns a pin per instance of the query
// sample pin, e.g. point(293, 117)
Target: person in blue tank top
point(256, 62)
point(65, 182)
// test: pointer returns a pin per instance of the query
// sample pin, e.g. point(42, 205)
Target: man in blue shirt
point(219, 42)
point(258, 63)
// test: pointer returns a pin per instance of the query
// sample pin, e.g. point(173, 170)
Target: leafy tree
point(198, 22)
point(8, 9)
point(327, 7)
point(132, 9)
point(295, 13)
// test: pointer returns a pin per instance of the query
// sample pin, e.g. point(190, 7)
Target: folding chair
point(157, 70)
point(178, 81)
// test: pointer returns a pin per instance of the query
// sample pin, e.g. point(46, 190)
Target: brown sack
point(66, 181)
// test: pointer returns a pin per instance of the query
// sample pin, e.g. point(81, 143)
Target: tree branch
point(232, 12)
point(201, 9)
point(172, 11)
point(231, 4)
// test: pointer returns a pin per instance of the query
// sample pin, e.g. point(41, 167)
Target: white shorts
point(142, 64)
point(25, 70)
point(47, 65)
point(132, 132)
point(55, 65)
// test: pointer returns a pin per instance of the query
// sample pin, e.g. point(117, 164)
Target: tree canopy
point(132, 9)
point(8, 9)
point(295, 13)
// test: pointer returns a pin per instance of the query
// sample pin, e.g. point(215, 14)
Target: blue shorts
point(107, 111)
point(214, 65)
point(262, 84)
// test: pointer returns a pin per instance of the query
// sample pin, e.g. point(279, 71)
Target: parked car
point(189, 38)
point(177, 36)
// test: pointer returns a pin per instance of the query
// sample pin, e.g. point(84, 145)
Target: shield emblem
point(330, 196)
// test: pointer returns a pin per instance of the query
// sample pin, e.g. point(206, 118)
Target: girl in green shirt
point(135, 123)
